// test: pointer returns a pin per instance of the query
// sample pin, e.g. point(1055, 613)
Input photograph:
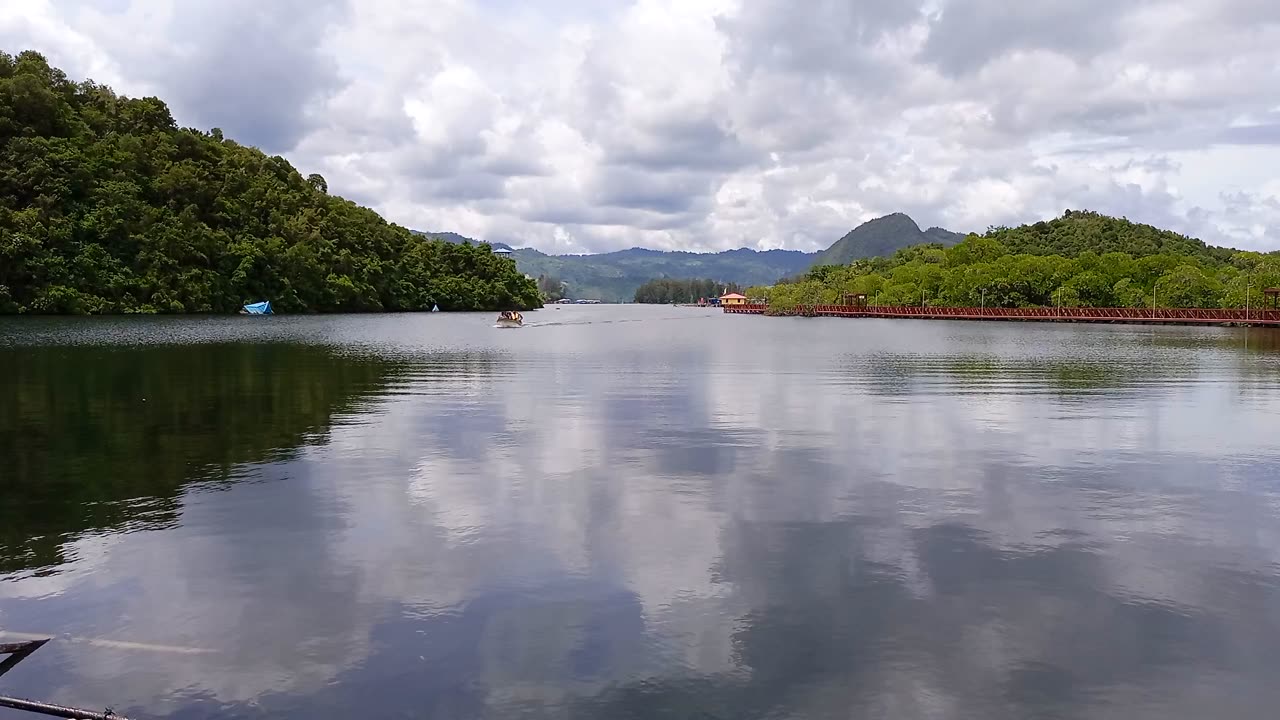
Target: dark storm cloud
point(252, 68)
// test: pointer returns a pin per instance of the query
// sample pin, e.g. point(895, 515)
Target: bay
point(633, 512)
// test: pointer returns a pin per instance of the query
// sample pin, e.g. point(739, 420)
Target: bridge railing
point(1209, 315)
point(1202, 314)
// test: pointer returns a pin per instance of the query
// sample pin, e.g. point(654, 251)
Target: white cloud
point(581, 126)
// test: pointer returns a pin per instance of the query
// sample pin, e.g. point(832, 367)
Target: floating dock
point(1144, 316)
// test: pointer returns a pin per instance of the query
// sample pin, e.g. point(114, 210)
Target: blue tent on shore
point(258, 308)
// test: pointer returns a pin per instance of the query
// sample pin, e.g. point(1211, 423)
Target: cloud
point(253, 68)
point(709, 124)
point(256, 70)
point(967, 34)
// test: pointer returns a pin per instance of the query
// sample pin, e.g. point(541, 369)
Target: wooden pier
point(1266, 317)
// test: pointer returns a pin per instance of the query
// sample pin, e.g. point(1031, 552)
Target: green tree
point(106, 206)
point(1080, 259)
point(673, 290)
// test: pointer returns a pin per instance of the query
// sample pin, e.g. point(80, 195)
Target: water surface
point(635, 512)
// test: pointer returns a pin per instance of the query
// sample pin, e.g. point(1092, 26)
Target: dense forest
point(1080, 259)
point(671, 290)
point(106, 206)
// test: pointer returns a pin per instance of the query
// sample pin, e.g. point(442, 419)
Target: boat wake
point(555, 323)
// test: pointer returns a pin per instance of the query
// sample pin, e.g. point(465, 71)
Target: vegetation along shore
point(107, 206)
point(1081, 259)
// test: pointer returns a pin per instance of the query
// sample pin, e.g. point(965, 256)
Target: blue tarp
point(259, 308)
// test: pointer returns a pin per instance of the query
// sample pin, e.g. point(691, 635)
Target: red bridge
point(1165, 316)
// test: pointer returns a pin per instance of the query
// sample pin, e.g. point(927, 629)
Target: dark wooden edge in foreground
point(18, 652)
point(1146, 316)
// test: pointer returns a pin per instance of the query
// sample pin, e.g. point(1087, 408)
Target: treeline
point(106, 206)
point(1082, 259)
point(672, 290)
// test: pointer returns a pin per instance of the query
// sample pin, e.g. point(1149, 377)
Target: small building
point(502, 252)
point(733, 299)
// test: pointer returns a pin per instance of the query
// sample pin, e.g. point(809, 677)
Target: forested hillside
point(1079, 259)
point(106, 206)
point(1079, 231)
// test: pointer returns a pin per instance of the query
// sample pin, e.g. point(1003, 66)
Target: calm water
point(636, 512)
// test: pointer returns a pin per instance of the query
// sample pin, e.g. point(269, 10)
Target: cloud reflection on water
point(719, 530)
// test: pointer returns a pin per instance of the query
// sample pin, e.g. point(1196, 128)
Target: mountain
point(943, 237)
point(614, 276)
point(883, 237)
point(456, 239)
point(107, 206)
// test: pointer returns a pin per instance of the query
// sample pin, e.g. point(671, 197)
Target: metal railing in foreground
point(17, 652)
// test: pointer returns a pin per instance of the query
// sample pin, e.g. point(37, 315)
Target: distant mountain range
point(614, 276)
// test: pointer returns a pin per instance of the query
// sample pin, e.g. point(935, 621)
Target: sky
point(596, 125)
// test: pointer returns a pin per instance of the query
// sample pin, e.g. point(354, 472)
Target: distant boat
point(258, 308)
point(510, 319)
point(435, 308)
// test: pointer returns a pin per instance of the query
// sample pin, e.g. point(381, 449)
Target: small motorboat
point(510, 319)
